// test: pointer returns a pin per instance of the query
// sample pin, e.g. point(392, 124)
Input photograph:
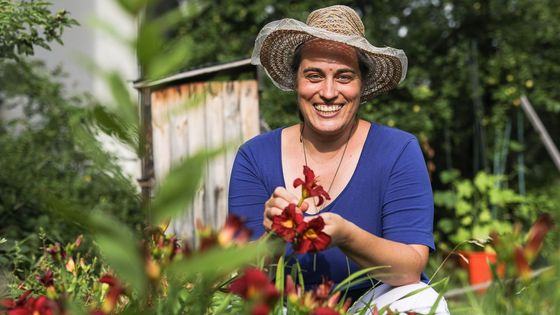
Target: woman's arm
point(407, 222)
point(407, 261)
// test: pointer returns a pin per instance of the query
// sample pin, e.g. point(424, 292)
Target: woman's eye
point(345, 77)
point(313, 77)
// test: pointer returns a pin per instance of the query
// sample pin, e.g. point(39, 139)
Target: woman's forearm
point(406, 261)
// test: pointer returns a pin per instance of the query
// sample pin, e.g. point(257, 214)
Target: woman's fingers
point(279, 200)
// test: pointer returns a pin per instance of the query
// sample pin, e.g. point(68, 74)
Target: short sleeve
point(408, 206)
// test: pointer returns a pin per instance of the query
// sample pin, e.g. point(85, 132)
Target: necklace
point(301, 139)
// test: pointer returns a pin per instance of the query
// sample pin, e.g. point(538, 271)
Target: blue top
point(389, 195)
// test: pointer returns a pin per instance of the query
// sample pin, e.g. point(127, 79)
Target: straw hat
point(277, 41)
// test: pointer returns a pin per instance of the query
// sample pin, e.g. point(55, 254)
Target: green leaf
point(180, 186)
point(464, 189)
point(449, 176)
point(463, 208)
point(216, 261)
point(446, 225)
point(171, 60)
point(357, 277)
point(467, 220)
point(133, 7)
point(446, 199)
point(110, 124)
point(484, 181)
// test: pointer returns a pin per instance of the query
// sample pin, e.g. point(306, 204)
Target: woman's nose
point(328, 90)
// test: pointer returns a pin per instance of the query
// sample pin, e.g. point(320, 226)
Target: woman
point(381, 210)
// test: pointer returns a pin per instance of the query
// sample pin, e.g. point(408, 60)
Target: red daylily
point(309, 187)
point(323, 290)
point(55, 250)
point(260, 309)
point(255, 286)
point(289, 224)
point(312, 239)
point(206, 236)
point(26, 305)
point(233, 231)
point(536, 236)
point(115, 290)
point(46, 279)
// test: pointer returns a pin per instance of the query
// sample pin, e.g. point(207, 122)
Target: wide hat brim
point(277, 41)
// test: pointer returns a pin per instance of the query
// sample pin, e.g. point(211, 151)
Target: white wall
point(98, 46)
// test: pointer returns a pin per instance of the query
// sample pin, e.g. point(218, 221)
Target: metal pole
point(541, 130)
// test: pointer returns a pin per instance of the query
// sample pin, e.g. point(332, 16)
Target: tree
point(40, 145)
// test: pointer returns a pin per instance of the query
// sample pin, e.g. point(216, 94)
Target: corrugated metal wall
point(226, 112)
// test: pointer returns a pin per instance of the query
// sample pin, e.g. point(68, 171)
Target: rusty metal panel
point(194, 116)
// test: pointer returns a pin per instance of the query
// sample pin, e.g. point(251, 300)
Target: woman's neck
point(324, 144)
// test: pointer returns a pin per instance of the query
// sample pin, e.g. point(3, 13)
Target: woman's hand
point(279, 200)
point(336, 227)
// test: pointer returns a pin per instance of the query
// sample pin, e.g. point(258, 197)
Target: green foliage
point(475, 208)
point(461, 54)
point(40, 153)
point(25, 24)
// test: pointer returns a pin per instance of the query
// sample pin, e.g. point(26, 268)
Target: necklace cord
point(301, 139)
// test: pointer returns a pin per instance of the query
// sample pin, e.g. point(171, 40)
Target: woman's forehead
point(330, 51)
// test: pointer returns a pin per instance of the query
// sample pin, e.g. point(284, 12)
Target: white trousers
point(384, 294)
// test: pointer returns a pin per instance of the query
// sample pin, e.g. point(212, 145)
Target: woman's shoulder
point(267, 144)
point(391, 134)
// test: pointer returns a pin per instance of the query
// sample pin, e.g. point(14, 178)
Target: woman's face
point(328, 86)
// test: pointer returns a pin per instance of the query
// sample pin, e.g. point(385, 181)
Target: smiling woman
point(380, 207)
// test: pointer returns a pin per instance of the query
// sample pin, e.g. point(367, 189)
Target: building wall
point(90, 42)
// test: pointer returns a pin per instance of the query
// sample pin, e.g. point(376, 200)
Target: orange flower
point(289, 224)
point(312, 239)
point(309, 186)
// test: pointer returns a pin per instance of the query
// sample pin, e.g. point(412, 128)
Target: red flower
point(46, 279)
point(26, 305)
point(309, 186)
point(288, 224)
point(260, 309)
point(115, 290)
point(536, 236)
point(322, 291)
point(312, 239)
point(521, 263)
point(233, 230)
point(254, 285)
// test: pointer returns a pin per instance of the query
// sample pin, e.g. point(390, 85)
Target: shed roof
point(243, 64)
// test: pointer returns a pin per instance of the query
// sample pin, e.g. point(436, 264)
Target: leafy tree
point(40, 144)
point(25, 24)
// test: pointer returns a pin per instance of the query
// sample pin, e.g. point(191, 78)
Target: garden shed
point(198, 109)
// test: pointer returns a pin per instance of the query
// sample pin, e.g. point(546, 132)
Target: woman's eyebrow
point(346, 70)
point(342, 70)
point(311, 69)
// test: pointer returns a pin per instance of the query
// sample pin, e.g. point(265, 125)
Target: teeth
point(328, 108)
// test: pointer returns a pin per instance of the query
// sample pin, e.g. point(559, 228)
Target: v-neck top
point(388, 195)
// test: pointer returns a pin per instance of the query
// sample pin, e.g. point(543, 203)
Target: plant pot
point(478, 267)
